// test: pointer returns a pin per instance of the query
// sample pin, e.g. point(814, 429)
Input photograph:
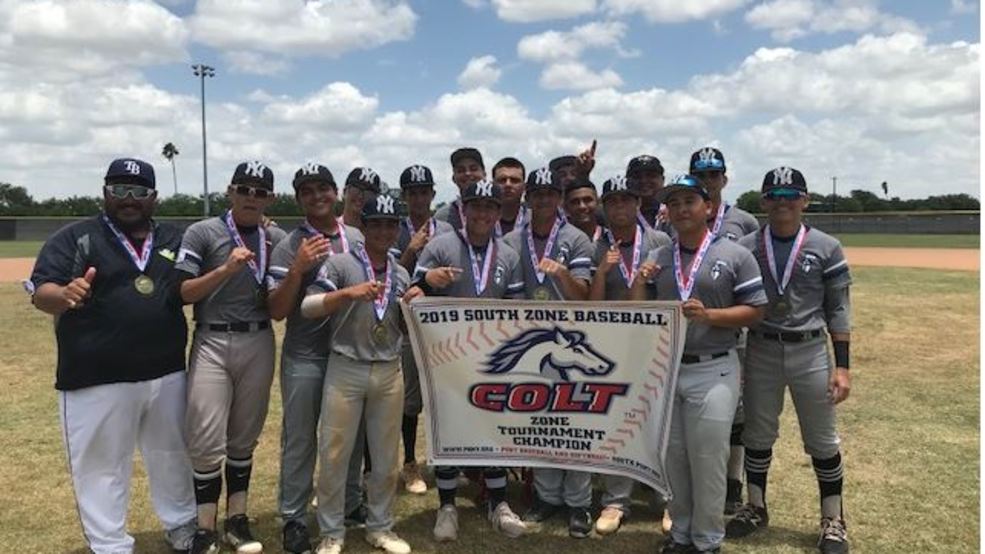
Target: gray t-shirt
point(205, 246)
point(451, 214)
point(728, 276)
point(818, 291)
point(450, 249)
point(571, 248)
point(736, 223)
point(615, 284)
point(306, 338)
point(353, 325)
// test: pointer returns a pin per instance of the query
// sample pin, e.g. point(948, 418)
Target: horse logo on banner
point(555, 352)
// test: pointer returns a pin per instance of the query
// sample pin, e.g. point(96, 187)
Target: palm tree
point(169, 152)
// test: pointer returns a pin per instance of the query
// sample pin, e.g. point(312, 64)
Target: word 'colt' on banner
point(570, 385)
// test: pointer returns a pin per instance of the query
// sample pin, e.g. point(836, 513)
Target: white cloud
point(552, 46)
point(791, 19)
point(526, 11)
point(577, 76)
point(339, 106)
point(480, 72)
point(673, 11)
point(960, 7)
point(254, 63)
point(325, 28)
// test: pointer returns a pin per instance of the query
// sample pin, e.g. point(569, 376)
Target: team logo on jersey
point(132, 166)
point(499, 274)
point(255, 169)
point(810, 260)
point(731, 236)
point(716, 269)
point(417, 174)
point(167, 254)
point(562, 255)
point(555, 355)
point(384, 204)
point(783, 176)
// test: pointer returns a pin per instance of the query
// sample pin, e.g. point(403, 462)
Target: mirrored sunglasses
point(783, 195)
point(137, 192)
point(255, 192)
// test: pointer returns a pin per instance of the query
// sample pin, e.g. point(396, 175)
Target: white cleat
point(446, 524)
point(388, 541)
point(505, 521)
point(330, 545)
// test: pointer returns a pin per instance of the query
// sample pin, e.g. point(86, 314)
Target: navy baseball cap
point(363, 178)
point(254, 174)
point(382, 206)
point(784, 179)
point(707, 159)
point(313, 173)
point(483, 190)
point(562, 161)
point(643, 163)
point(619, 185)
point(130, 171)
point(544, 178)
point(467, 153)
point(416, 176)
point(680, 183)
point(581, 182)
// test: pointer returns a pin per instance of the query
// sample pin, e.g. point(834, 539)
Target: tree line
point(16, 201)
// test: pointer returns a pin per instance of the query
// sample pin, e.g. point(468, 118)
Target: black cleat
point(834, 536)
point(540, 511)
point(356, 518)
point(296, 538)
point(747, 521)
point(579, 523)
point(733, 496)
point(238, 535)
point(205, 542)
point(671, 547)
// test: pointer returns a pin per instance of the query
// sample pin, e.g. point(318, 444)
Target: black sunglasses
point(255, 192)
point(137, 192)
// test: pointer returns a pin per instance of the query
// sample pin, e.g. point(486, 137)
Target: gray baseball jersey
point(306, 338)
point(615, 285)
point(451, 213)
point(736, 224)
point(728, 276)
point(205, 246)
point(353, 324)
point(450, 249)
point(571, 248)
point(407, 230)
point(819, 283)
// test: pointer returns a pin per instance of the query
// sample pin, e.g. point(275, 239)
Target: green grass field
point(910, 435)
point(910, 241)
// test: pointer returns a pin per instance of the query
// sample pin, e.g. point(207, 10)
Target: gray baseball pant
point(301, 383)
point(698, 449)
point(617, 492)
point(374, 390)
point(229, 378)
point(804, 367)
point(563, 487)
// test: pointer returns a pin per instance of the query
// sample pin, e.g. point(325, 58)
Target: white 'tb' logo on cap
point(132, 166)
point(544, 177)
point(783, 176)
point(384, 204)
point(417, 174)
point(255, 169)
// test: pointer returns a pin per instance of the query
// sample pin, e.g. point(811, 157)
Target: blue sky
point(862, 89)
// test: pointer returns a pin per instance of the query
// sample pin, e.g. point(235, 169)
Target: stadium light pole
point(834, 193)
point(202, 71)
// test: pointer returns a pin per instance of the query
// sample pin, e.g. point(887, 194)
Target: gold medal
point(781, 307)
point(380, 334)
point(144, 285)
point(541, 293)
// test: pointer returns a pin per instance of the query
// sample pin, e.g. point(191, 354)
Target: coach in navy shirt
point(110, 285)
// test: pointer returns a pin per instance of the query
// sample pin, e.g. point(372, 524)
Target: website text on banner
point(571, 385)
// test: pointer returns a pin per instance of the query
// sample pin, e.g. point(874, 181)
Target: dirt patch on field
point(965, 259)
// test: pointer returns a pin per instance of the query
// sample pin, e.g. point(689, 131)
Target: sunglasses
point(255, 192)
point(783, 195)
point(705, 175)
point(137, 192)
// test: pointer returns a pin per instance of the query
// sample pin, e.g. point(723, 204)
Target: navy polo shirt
point(119, 335)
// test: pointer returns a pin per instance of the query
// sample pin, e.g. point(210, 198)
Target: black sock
point(409, 430)
point(830, 478)
point(757, 467)
point(447, 479)
point(495, 478)
point(208, 486)
point(238, 475)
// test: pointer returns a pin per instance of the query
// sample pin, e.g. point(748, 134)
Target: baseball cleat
point(579, 523)
point(747, 521)
point(413, 481)
point(388, 541)
point(238, 535)
point(446, 524)
point(182, 536)
point(733, 496)
point(205, 541)
point(330, 545)
point(609, 520)
point(505, 521)
point(540, 511)
point(296, 538)
point(671, 547)
point(356, 518)
point(834, 536)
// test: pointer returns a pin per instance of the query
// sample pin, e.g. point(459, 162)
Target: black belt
point(788, 336)
point(237, 327)
point(694, 358)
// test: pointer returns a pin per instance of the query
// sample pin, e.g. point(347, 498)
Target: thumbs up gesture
point(79, 289)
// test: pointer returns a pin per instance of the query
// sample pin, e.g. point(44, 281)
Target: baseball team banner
point(570, 385)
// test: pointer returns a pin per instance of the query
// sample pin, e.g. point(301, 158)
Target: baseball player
point(616, 261)
point(304, 352)
point(361, 184)
point(807, 282)
point(721, 290)
point(509, 174)
point(224, 264)
point(467, 168)
point(416, 230)
point(647, 171)
point(472, 263)
point(581, 207)
point(121, 334)
point(708, 165)
point(359, 291)
point(556, 260)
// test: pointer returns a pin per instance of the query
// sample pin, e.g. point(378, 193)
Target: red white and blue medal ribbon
point(719, 220)
point(480, 278)
point(381, 302)
point(597, 234)
point(310, 229)
point(628, 273)
point(548, 248)
point(798, 243)
point(432, 226)
point(259, 270)
point(139, 259)
point(685, 282)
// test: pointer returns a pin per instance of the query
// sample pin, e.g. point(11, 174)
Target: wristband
point(422, 284)
point(841, 353)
